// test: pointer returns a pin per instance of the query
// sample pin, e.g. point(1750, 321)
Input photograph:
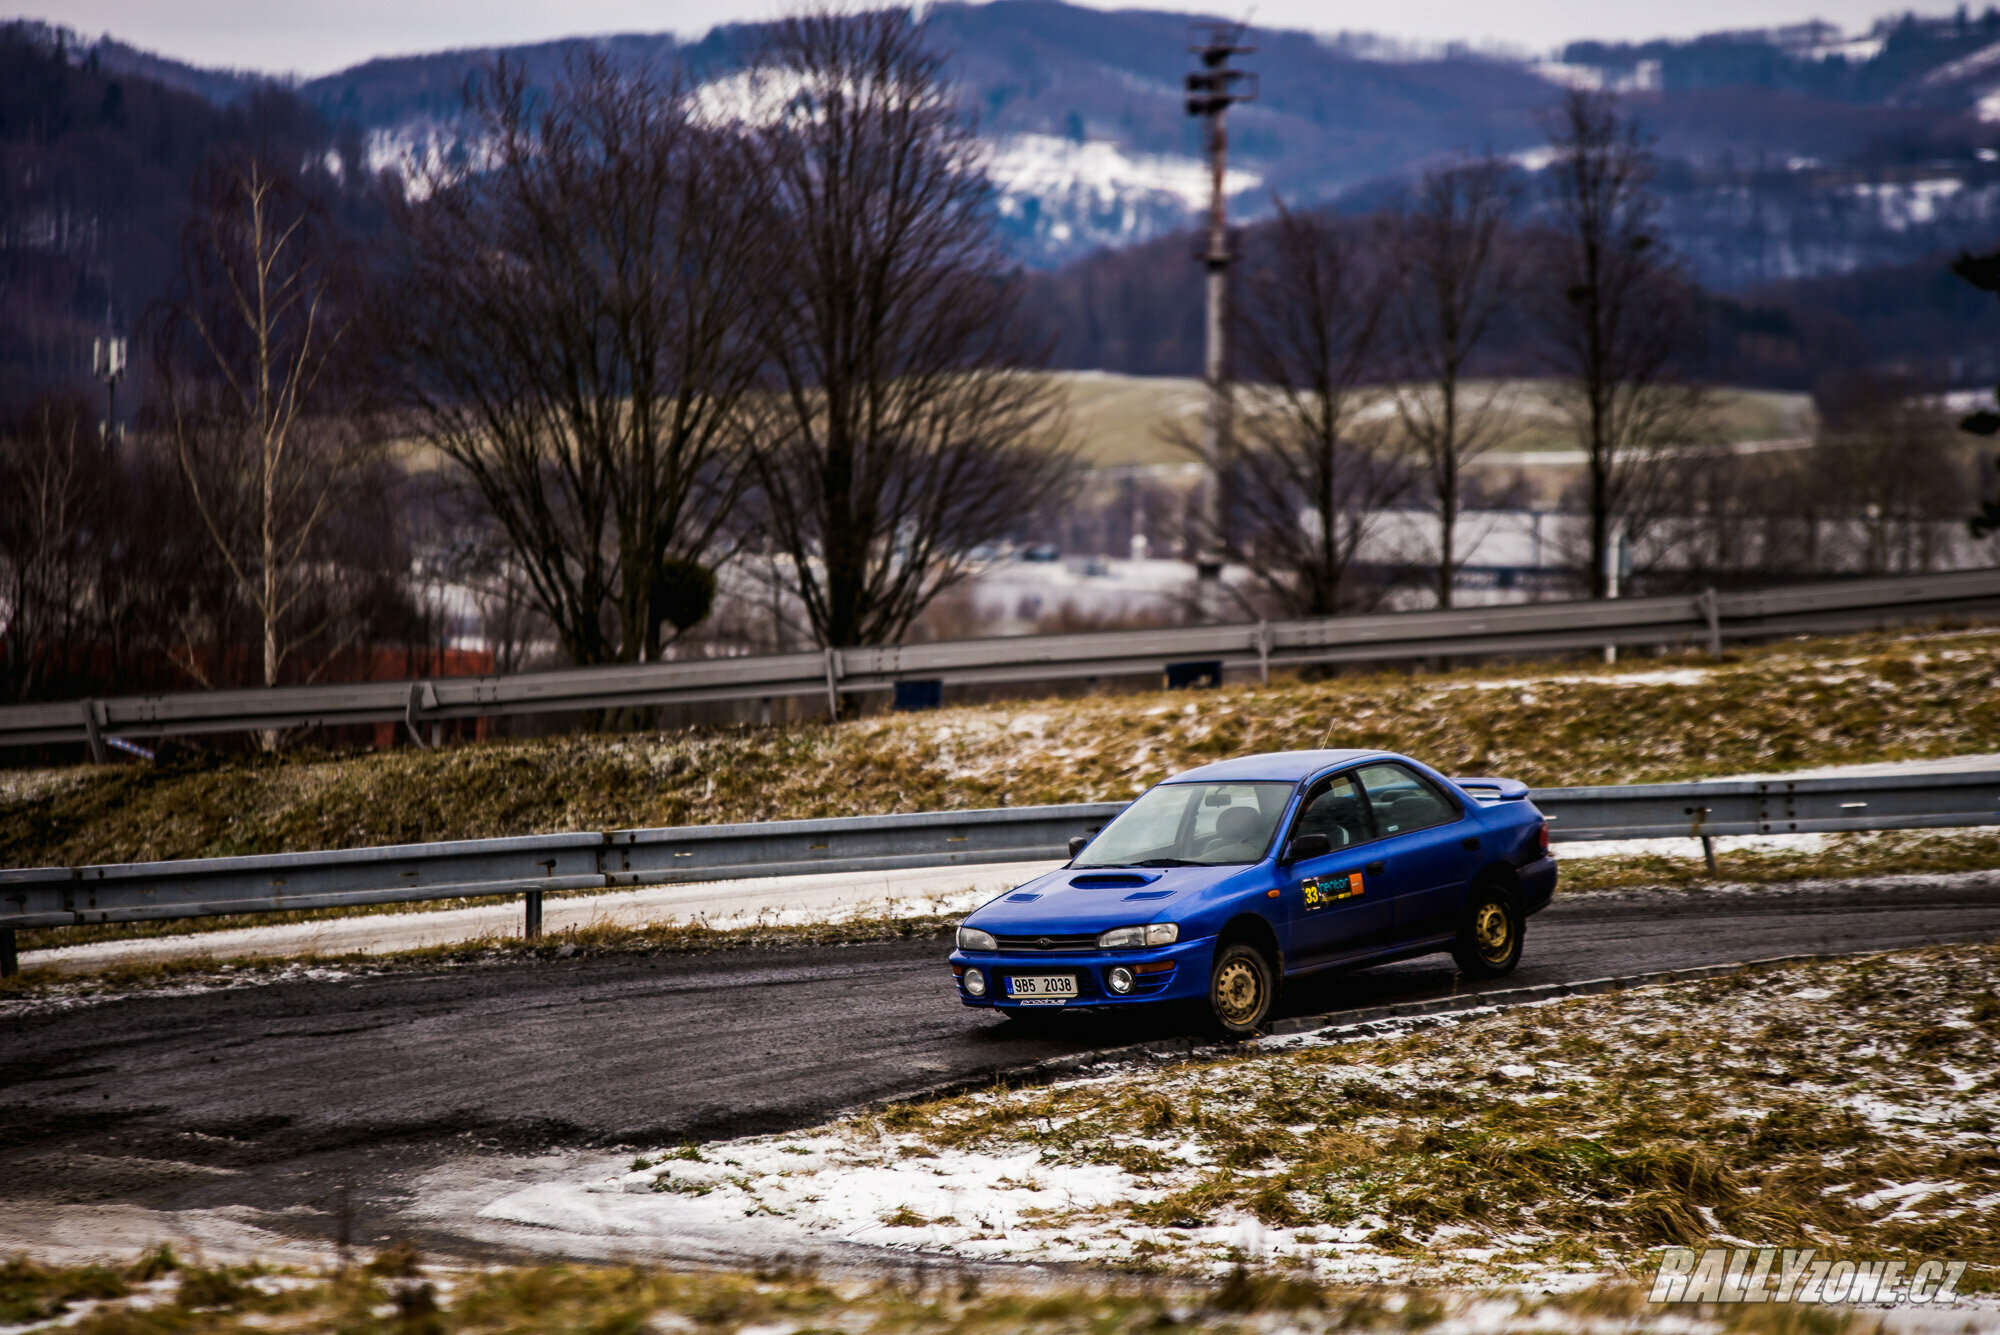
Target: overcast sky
point(317, 36)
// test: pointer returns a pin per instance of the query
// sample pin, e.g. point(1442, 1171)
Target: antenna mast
point(1211, 90)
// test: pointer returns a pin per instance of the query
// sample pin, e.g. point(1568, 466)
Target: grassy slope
point(397, 1294)
point(1124, 419)
point(1796, 705)
point(1765, 1105)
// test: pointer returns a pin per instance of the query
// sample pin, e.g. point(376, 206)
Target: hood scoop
point(1024, 899)
point(1150, 894)
point(1116, 880)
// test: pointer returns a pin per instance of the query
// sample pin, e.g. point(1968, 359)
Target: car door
point(1428, 850)
point(1334, 904)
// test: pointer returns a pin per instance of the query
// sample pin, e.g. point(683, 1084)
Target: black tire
point(1490, 932)
point(1242, 988)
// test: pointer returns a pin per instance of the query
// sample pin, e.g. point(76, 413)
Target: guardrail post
point(832, 684)
point(1711, 612)
point(1264, 652)
point(532, 928)
point(423, 696)
point(93, 731)
point(1701, 815)
point(10, 954)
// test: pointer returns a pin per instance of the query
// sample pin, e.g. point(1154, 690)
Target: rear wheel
point(1489, 935)
point(1241, 988)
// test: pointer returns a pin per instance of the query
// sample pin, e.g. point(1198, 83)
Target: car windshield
point(1191, 825)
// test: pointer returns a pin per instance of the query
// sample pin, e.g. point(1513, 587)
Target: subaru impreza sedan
point(1222, 882)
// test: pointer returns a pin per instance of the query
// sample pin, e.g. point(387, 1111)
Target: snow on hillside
point(1057, 194)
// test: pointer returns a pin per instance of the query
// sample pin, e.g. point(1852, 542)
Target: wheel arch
point(1255, 930)
point(1495, 873)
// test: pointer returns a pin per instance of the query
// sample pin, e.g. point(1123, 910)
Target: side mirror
point(1308, 846)
point(1078, 843)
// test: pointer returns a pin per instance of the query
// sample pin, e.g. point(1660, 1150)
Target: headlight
point(971, 938)
point(1133, 938)
point(975, 983)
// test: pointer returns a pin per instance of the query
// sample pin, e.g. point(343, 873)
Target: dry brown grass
point(1785, 707)
point(1767, 1105)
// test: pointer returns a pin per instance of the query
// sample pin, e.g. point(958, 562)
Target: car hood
point(1077, 900)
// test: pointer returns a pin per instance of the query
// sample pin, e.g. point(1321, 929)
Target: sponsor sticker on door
point(1324, 890)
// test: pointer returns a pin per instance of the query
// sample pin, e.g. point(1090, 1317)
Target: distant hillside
point(1816, 182)
point(1789, 153)
point(98, 146)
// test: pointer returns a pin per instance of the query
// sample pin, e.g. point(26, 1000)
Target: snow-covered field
point(1849, 1106)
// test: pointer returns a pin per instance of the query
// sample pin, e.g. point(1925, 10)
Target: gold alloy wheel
point(1239, 992)
point(1493, 932)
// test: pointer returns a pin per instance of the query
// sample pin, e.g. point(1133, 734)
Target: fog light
point(1120, 980)
point(975, 983)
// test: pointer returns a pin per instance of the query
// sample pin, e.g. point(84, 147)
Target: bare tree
point(1738, 518)
point(1459, 270)
point(54, 476)
point(902, 430)
point(1309, 328)
point(1613, 309)
point(573, 324)
point(252, 358)
point(1890, 471)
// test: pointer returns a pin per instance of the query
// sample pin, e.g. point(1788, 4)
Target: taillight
point(1542, 834)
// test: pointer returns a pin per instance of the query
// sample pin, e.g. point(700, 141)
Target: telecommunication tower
point(107, 363)
point(1212, 89)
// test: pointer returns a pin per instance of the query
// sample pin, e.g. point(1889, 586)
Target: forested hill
point(96, 164)
point(1816, 182)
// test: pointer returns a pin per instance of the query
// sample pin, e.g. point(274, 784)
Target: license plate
point(1041, 985)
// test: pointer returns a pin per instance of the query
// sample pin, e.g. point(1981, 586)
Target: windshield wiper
point(1169, 862)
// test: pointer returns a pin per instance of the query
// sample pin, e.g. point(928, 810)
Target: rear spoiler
point(1494, 790)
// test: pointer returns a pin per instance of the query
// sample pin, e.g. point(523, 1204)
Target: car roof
point(1287, 766)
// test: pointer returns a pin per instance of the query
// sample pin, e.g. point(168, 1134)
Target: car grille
point(1053, 941)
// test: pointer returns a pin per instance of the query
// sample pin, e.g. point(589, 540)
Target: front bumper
point(1164, 973)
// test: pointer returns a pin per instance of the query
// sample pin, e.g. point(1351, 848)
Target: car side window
point(1336, 812)
point(1402, 801)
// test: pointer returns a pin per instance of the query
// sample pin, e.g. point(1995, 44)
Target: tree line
point(641, 332)
point(1372, 351)
point(648, 326)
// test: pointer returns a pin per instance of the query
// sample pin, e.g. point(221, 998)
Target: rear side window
point(1336, 813)
point(1402, 801)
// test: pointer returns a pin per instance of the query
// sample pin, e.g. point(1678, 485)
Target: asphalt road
point(278, 1097)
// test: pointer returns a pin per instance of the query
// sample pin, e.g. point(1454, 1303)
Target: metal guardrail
point(1835, 805)
point(1709, 619)
point(623, 859)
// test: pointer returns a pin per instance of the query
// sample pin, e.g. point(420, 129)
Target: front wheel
point(1489, 935)
point(1241, 989)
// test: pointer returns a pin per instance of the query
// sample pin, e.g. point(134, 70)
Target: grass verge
point(397, 1294)
point(1782, 707)
point(1846, 1106)
point(36, 983)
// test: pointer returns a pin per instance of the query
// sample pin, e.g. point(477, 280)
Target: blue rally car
point(1220, 882)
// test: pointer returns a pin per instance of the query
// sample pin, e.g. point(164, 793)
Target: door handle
point(1471, 843)
point(1376, 868)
